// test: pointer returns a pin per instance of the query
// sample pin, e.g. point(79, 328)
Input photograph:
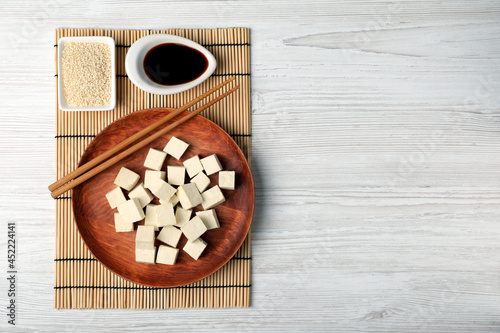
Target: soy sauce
point(172, 64)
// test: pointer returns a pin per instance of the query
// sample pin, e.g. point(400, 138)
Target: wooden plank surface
point(375, 151)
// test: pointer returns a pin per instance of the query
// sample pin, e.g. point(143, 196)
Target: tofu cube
point(211, 164)
point(176, 174)
point(145, 253)
point(226, 180)
point(182, 216)
point(141, 194)
point(209, 217)
point(165, 215)
point(170, 235)
point(166, 255)
point(212, 197)
point(193, 166)
point(145, 234)
point(149, 175)
point(131, 210)
point(151, 217)
point(189, 196)
point(121, 225)
point(202, 181)
point(126, 179)
point(163, 190)
point(175, 147)
point(194, 228)
point(195, 248)
point(115, 197)
point(174, 200)
point(155, 159)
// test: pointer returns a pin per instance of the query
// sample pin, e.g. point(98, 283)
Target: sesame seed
point(86, 74)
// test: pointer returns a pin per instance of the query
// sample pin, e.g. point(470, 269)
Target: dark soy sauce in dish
point(172, 64)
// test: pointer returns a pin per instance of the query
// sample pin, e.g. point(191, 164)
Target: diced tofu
point(159, 216)
point(131, 210)
point(176, 174)
point(175, 147)
point(193, 166)
point(149, 175)
point(209, 217)
point(166, 255)
point(151, 217)
point(121, 225)
point(182, 216)
point(170, 235)
point(212, 197)
point(163, 190)
point(145, 252)
point(189, 196)
point(115, 197)
point(145, 234)
point(202, 181)
point(174, 200)
point(155, 159)
point(195, 248)
point(126, 179)
point(194, 228)
point(165, 215)
point(211, 164)
point(226, 180)
point(141, 194)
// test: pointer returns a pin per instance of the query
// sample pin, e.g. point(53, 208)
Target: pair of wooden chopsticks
point(103, 161)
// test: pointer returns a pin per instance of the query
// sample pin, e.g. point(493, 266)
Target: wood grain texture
point(116, 251)
point(375, 158)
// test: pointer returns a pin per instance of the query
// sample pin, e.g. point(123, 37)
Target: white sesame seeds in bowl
point(86, 73)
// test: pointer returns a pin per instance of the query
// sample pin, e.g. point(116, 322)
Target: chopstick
point(101, 167)
point(89, 165)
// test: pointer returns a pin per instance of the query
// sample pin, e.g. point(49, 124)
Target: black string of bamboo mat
point(94, 259)
point(155, 288)
point(204, 45)
point(215, 74)
point(91, 136)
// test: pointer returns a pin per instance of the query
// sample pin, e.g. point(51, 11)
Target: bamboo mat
point(81, 281)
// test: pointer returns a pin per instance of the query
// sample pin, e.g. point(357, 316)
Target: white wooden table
point(376, 156)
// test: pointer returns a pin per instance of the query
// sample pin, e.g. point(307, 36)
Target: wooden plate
point(116, 250)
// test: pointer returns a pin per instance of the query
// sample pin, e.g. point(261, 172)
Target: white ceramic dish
point(134, 64)
point(63, 104)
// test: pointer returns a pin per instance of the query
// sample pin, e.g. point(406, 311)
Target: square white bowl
point(63, 104)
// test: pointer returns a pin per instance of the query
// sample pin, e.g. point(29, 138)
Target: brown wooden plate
point(116, 250)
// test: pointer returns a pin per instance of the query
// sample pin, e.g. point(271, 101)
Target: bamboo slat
point(81, 282)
